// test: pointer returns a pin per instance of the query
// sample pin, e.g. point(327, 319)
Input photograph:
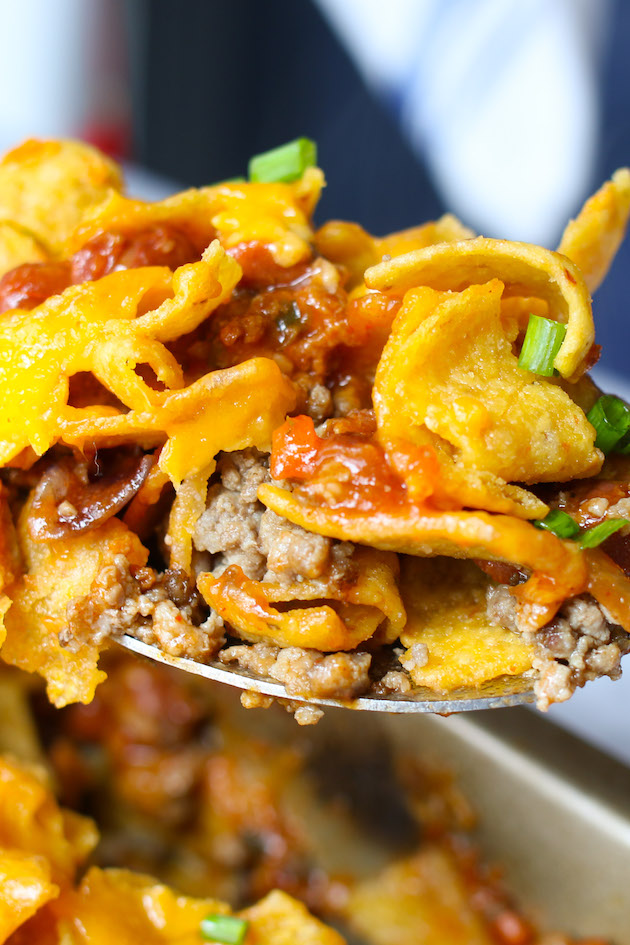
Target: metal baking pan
point(553, 811)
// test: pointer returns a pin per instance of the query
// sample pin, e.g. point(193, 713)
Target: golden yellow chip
point(47, 187)
point(57, 573)
point(445, 601)
point(593, 238)
point(449, 370)
point(524, 269)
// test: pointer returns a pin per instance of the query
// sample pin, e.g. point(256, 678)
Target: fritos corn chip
point(222, 428)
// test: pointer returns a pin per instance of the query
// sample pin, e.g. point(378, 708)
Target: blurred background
point(505, 112)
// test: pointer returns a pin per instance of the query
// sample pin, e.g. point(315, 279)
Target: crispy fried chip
point(25, 886)
point(559, 567)
point(524, 269)
point(278, 919)
point(48, 186)
point(100, 327)
point(31, 822)
point(278, 215)
point(57, 572)
point(349, 245)
point(353, 610)
point(423, 891)
point(18, 246)
point(445, 601)
point(10, 558)
point(449, 368)
point(593, 238)
point(118, 906)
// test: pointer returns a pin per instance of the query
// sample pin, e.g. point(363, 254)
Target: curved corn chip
point(276, 214)
point(243, 604)
point(128, 908)
point(32, 823)
point(523, 268)
point(349, 245)
point(559, 568)
point(18, 246)
point(445, 601)
point(448, 229)
point(449, 368)
point(279, 919)
point(48, 186)
point(99, 327)
point(368, 596)
point(57, 572)
point(26, 886)
point(593, 238)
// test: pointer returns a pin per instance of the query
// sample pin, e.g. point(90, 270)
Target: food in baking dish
point(240, 437)
point(268, 839)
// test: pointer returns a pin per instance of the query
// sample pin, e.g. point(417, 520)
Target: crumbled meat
point(229, 527)
point(255, 700)
point(243, 472)
point(416, 657)
point(578, 645)
point(292, 550)
point(305, 673)
point(307, 715)
point(311, 674)
point(584, 616)
point(501, 606)
point(259, 658)
point(554, 682)
point(237, 529)
point(395, 681)
point(120, 602)
point(230, 524)
point(319, 403)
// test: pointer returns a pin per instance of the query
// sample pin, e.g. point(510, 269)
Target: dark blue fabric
point(610, 304)
point(224, 79)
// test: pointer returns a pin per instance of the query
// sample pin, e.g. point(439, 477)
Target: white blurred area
point(498, 96)
point(64, 71)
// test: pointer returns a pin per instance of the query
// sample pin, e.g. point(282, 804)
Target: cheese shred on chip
point(326, 456)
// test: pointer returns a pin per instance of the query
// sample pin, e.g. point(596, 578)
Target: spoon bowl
point(496, 694)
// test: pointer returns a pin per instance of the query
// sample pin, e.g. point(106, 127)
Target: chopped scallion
point(594, 536)
point(611, 419)
point(283, 164)
point(226, 929)
point(541, 344)
point(558, 522)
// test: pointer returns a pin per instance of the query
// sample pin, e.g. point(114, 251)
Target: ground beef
point(237, 529)
point(142, 605)
point(578, 645)
point(290, 550)
point(305, 673)
point(230, 524)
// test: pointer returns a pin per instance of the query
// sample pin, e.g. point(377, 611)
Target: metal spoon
point(505, 691)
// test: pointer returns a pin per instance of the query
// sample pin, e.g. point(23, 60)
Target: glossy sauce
point(29, 285)
point(344, 470)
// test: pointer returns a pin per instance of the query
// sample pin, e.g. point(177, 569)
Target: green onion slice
point(558, 522)
point(594, 536)
point(611, 419)
point(283, 164)
point(541, 344)
point(226, 929)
